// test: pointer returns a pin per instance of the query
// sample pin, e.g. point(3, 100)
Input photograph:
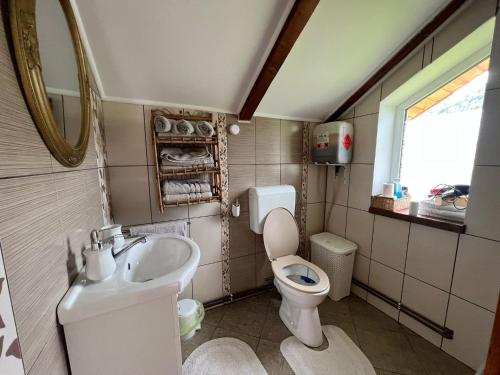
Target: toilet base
point(301, 318)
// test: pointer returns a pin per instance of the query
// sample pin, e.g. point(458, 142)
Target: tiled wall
point(452, 279)
point(135, 200)
point(266, 152)
point(46, 214)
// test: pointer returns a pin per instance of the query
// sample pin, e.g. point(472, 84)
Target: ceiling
point(207, 54)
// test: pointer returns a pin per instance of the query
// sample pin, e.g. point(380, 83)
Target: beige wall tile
point(428, 52)
point(469, 18)
point(315, 216)
point(291, 141)
point(241, 237)
point(489, 132)
point(335, 219)
point(267, 175)
point(337, 186)
point(494, 70)
point(316, 183)
point(125, 137)
point(349, 114)
point(360, 186)
point(243, 273)
point(359, 229)
point(18, 133)
point(431, 255)
point(428, 301)
point(267, 140)
point(170, 213)
point(361, 268)
point(370, 103)
point(386, 280)
point(390, 241)
point(483, 211)
point(264, 273)
point(291, 174)
point(241, 147)
point(472, 327)
point(206, 232)
point(130, 195)
point(241, 177)
point(365, 138)
point(206, 209)
point(207, 282)
point(477, 271)
point(403, 73)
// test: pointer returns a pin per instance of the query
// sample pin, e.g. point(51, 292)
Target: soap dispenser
point(99, 257)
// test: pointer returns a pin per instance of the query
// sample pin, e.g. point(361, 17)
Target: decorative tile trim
point(225, 209)
point(303, 248)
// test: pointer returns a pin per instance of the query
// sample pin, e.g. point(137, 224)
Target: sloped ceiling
point(342, 44)
point(208, 53)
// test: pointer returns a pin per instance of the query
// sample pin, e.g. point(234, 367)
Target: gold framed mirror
point(54, 76)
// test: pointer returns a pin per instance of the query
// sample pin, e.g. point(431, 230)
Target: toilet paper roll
point(389, 190)
point(414, 208)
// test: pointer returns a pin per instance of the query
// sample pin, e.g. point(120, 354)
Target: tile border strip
point(303, 249)
point(225, 209)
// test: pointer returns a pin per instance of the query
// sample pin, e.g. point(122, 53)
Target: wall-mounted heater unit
point(332, 143)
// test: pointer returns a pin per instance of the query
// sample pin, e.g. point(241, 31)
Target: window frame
point(400, 110)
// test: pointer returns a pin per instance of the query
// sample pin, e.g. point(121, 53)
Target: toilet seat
point(281, 240)
point(279, 265)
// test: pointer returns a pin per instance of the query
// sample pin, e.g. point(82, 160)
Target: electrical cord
point(453, 199)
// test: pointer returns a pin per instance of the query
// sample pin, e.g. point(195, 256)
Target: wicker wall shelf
point(211, 173)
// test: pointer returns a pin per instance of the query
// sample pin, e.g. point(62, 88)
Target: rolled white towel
point(182, 127)
point(204, 129)
point(162, 124)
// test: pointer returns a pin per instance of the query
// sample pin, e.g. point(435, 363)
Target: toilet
point(302, 285)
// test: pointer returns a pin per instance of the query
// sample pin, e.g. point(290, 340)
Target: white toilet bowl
point(302, 285)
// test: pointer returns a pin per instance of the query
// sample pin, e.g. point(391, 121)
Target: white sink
point(162, 266)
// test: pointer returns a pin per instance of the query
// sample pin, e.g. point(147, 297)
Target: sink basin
point(163, 265)
point(162, 256)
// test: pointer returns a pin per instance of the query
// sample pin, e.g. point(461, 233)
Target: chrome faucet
point(131, 244)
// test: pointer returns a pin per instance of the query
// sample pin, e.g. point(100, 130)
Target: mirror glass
point(59, 68)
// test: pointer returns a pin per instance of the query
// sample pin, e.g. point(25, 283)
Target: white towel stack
point(173, 198)
point(430, 208)
point(175, 158)
point(175, 227)
point(185, 186)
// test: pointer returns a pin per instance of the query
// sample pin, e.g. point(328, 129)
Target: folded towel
point(204, 129)
point(182, 155)
point(175, 227)
point(182, 127)
point(185, 186)
point(173, 198)
point(162, 124)
point(429, 208)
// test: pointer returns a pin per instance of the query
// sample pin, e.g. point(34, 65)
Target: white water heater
point(332, 143)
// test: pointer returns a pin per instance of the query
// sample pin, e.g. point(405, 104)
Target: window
point(436, 143)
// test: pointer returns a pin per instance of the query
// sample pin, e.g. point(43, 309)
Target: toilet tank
point(264, 199)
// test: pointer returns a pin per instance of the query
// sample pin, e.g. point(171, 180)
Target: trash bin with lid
point(335, 256)
point(191, 313)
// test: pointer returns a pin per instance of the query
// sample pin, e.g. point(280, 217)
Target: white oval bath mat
point(341, 358)
point(223, 356)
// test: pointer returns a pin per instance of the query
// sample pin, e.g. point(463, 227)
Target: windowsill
point(428, 221)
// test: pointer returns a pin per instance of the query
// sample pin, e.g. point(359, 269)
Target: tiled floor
point(391, 348)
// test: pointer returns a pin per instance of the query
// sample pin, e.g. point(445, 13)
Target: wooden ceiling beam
point(406, 50)
point(300, 13)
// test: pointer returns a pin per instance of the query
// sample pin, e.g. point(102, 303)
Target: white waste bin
point(335, 256)
point(191, 313)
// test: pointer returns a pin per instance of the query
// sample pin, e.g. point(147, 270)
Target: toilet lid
point(281, 235)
